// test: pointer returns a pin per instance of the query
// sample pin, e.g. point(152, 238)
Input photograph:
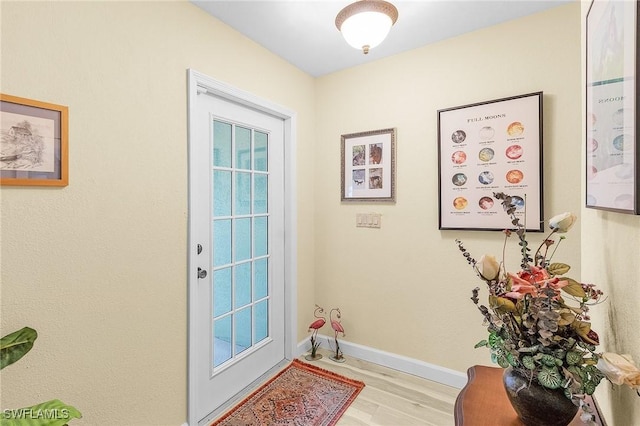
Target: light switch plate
point(368, 220)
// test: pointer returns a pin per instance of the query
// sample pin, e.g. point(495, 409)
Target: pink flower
point(520, 287)
point(555, 283)
point(532, 281)
point(516, 280)
point(534, 274)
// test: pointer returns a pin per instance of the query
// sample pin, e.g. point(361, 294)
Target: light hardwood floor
point(390, 397)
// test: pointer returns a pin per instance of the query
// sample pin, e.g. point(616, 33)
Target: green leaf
point(574, 288)
point(589, 388)
point(573, 357)
point(528, 362)
point(558, 268)
point(480, 344)
point(15, 345)
point(493, 340)
point(548, 360)
point(502, 361)
point(50, 413)
point(549, 378)
point(577, 372)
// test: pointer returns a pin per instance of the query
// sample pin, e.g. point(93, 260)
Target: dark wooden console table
point(483, 401)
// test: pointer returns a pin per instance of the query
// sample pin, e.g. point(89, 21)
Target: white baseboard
point(401, 363)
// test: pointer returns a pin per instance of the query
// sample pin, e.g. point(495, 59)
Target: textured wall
point(405, 288)
point(99, 267)
point(611, 260)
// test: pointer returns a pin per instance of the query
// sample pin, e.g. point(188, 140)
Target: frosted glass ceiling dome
point(366, 23)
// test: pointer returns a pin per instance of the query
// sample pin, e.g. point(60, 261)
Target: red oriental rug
point(301, 394)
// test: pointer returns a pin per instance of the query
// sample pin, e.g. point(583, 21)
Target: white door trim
point(198, 82)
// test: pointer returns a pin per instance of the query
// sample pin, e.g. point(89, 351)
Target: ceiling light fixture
point(366, 23)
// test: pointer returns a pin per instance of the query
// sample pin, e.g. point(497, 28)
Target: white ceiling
point(303, 31)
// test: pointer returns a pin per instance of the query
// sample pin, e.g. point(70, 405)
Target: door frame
point(200, 83)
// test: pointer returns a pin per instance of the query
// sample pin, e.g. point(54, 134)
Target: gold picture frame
point(33, 142)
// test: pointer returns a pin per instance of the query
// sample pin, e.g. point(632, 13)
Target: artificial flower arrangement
point(532, 327)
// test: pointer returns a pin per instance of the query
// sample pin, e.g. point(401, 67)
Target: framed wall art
point(485, 148)
point(612, 149)
point(368, 166)
point(33, 142)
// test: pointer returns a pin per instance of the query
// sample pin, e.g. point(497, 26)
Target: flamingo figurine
point(337, 328)
point(315, 326)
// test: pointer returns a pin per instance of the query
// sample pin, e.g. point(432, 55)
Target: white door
point(237, 238)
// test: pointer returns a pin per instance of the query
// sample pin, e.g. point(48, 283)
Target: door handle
point(202, 273)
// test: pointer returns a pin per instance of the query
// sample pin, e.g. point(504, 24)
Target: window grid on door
point(240, 285)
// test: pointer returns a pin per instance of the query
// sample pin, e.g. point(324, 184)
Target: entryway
point(241, 242)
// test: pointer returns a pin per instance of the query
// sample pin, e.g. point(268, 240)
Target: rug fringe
point(328, 373)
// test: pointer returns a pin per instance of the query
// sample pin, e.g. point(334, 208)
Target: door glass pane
point(242, 294)
point(221, 340)
point(243, 148)
point(243, 193)
point(242, 239)
point(259, 279)
point(242, 329)
point(260, 151)
point(260, 236)
point(260, 194)
point(221, 144)
point(221, 291)
point(221, 193)
point(261, 320)
point(240, 282)
point(221, 242)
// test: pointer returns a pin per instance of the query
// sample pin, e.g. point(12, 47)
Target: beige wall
point(611, 259)
point(99, 267)
point(405, 288)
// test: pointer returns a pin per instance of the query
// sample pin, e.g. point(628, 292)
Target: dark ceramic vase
point(535, 404)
